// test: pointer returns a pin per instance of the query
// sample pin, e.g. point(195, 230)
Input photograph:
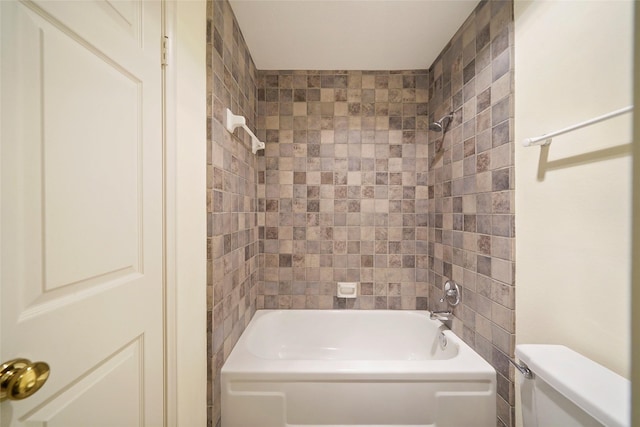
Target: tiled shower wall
point(231, 195)
point(471, 188)
point(342, 188)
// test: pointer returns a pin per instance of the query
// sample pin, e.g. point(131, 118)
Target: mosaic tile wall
point(342, 188)
point(471, 188)
point(231, 194)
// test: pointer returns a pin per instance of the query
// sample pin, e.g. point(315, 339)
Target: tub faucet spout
point(441, 315)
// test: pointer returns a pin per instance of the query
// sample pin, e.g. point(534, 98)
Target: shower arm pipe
point(440, 122)
point(546, 138)
point(233, 121)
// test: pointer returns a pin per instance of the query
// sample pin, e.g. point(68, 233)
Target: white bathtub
point(354, 368)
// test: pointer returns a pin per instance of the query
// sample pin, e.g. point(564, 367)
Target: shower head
point(436, 127)
point(441, 124)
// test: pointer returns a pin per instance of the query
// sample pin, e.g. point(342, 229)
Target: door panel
point(70, 166)
point(108, 219)
point(83, 400)
point(81, 217)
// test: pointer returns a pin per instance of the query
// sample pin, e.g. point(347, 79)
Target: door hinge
point(164, 53)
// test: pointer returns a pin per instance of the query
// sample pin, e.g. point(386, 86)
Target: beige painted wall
point(573, 62)
point(186, 228)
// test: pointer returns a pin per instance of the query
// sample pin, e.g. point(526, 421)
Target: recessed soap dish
point(347, 289)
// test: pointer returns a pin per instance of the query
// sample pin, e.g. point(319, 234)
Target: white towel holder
point(233, 121)
point(546, 138)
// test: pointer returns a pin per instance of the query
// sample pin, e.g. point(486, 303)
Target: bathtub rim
point(466, 365)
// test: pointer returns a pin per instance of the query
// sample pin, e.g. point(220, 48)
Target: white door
point(81, 210)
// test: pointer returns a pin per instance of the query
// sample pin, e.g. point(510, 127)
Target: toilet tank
point(570, 390)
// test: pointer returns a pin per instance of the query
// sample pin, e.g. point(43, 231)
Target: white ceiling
point(348, 34)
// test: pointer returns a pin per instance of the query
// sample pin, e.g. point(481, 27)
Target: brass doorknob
point(19, 378)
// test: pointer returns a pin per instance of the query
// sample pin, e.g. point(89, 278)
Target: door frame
point(185, 228)
point(635, 280)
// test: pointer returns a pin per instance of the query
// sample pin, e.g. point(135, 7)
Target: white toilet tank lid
point(601, 393)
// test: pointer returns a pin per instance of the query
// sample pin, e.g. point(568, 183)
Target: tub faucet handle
point(451, 293)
